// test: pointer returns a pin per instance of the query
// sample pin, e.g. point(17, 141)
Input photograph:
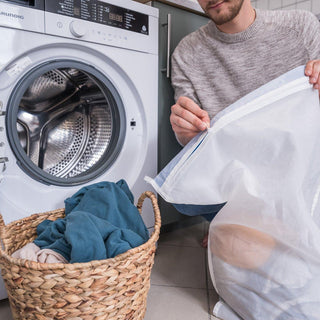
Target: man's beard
point(232, 13)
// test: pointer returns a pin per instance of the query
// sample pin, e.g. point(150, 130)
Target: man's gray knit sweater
point(215, 69)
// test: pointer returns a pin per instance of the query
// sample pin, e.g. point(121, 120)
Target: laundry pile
point(100, 222)
point(260, 162)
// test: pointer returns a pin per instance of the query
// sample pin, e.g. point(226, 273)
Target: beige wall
point(310, 5)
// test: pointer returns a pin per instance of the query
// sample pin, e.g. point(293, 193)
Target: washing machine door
point(75, 114)
point(65, 123)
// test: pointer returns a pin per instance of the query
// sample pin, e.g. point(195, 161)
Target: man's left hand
point(312, 71)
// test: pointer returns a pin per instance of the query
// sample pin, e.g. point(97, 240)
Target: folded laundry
point(101, 222)
point(32, 252)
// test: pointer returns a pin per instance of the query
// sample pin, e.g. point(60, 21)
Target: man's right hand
point(188, 119)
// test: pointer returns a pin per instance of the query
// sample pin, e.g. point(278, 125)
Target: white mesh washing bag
point(262, 157)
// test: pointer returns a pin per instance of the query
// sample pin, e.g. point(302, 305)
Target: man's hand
point(313, 72)
point(188, 119)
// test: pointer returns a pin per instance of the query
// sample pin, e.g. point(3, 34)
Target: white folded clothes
point(32, 252)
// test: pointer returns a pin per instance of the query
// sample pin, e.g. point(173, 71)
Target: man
point(238, 51)
point(241, 49)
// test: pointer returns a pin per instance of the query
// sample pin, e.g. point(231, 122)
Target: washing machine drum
point(65, 123)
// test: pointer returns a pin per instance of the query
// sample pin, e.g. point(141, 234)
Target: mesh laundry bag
point(262, 157)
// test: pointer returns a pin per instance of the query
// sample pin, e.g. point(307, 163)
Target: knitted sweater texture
point(215, 69)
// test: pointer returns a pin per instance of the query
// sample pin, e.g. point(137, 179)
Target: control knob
point(77, 28)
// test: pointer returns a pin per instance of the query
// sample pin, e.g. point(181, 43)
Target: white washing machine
point(78, 100)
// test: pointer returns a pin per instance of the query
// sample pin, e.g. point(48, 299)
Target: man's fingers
point(179, 122)
point(188, 110)
point(181, 126)
point(191, 106)
point(309, 68)
point(188, 119)
point(313, 71)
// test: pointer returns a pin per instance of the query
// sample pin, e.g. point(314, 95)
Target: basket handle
point(154, 202)
point(2, 231)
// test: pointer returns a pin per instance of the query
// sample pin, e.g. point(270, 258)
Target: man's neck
point(241, 22)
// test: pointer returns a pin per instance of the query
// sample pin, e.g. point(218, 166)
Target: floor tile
point(173, 303)
point(5, 312)
point(190, 236)
point(209, 280)
point(213, 299)
point(179, 267)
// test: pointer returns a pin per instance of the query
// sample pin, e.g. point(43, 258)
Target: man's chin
point(220, 20)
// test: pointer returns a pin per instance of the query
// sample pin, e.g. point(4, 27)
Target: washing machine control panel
point(104, 23)
point(101, 12)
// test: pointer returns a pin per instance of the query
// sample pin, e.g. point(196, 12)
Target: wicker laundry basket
point(113, 289)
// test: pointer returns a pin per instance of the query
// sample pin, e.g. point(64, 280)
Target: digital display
point(115, 17)
point(101, 12)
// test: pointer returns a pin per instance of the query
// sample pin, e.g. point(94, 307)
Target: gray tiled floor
point(181, 288)
point(5, 313)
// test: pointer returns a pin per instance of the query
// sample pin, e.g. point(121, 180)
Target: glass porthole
point(65, 123)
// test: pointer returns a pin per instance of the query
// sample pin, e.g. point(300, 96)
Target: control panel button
point(77, 28)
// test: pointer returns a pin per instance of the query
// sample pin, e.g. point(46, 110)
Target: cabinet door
point(182, 23)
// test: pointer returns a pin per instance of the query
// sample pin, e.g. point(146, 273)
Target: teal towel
point(101, 222)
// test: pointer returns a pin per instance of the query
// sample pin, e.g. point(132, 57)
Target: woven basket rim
point(94, 263)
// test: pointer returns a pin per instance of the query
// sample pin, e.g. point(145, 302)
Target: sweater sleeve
point(311, 34)
point(181, 64)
